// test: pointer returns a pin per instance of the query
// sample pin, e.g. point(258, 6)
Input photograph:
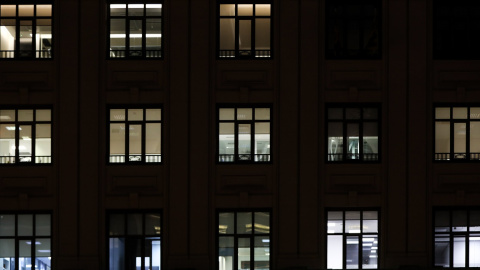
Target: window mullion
point(33, 138)
point(127, 142)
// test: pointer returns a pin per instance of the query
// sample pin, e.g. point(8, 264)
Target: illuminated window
point(26, 30)
point(25, 136)
point(353, 133)
point(25, 241)
point(457, 133)
point(244, 29)
point(457, 238)
point(243, 240)
point(352, 239)
point(135, 30)
point(134, 240)
point(244, 134)
point(135, 135)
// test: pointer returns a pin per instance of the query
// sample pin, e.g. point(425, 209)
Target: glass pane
point(475, 113)
point(442, 113)
point(154, 9)
point(153, 114)
point(152, 253)
point(351, 251)
point(43, 115)
point(7, 253)
point(42, 225)
point(7, 143)
point(7, 225)
point(117, 41)
point(25, 115)
point(25, 253)
point(460, 113)
point(262, 34)
point(262, 142)
point(226, 253)
point(118, 9)
point(8, 10)
point(226, 142)
point(25, 225)
point(135, 143)
point(335, 141)
point(262, 10)
point(245, 36)
point(370, 141)
point(369, 252)
point(335, 222)
point(8, 36)
point(244, 223)
point(459, 221)
point(352, 113)
point(116, 253)
point(459, 140)
point(244, 254)
point(43, 143)
point(352, 222)
point(152, 224)
point(43, 38)
point(117, 143)
point(44, 10)
point(25, 10)
point(353, 142)
point(475, 140)
point(442, 221)
point(135, 9)
point(244, 142)
point(335, 113)
point(226, 223)
point(26, 40)
point(370, 222)
point(42, 254)
point(262, 222)
point(117, 115)
point(442, 140)
point(335, 252)
point(134, 224)
point(154, 34)
point(475, 220)
point(459, 251)
point(135, 38)
point(262, 113)
point(474, 252)
point(244, 114)
point(261, 255)
point(227, 10)
point(25, 144)
point(117, 224)
point(135, 114)
point(7, 115)
point(370, 113)
point(227, 34)
point(153, 144)
point(227, 114)
point(245, 10)
point(442, 251)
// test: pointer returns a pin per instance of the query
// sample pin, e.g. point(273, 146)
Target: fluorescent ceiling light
point(118, 6)
point(5, 117)
point(154, 5)
point(135, 5)
point(135, 35)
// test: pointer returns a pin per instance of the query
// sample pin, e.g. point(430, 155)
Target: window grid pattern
point(244, 134)
point(243, 240)
point(134, 240)
point(26, 30)
point(457, 238)
point(353, 29)
point(135, 135)
point(25, 241)
point(353, 133)
point(457, 133)
point(352, 239)
point(135, 30)
point(25, 136)
point(244, 29)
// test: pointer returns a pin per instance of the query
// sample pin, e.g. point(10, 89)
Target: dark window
point(25, 241)
point(135, 135)
point(457, 238)
point(456, 25)
point(243, 240)
point(353, 133)
point(244, 29)
point(353, 29)
point(25, 136)
point(135, 29)
point(244, 134)
point(352, 239)
point(26, 30)
point(457, 133)
point(134, 240)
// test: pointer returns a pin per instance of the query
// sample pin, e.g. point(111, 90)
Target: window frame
point(361, 53)
point(33, 19)
point(452, 234)
point(236, 133)
point(237, 52)
point(33, 124)
point(236, 236)
point(360, 235)
point(143, 123)
point(127, 51)
point(361, 121)
point(452, 156)
point(143, 237)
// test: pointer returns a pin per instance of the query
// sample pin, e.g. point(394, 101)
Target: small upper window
point(353, 29)
point(135, 29)
point(26, 31)
point(244, 134)
point(353, 133)
point(457, 133)
point(25, 136)
point(244, 29)
point(135, 135)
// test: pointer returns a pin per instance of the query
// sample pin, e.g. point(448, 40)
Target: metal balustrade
point(135, 158)
point(457, 156)
point(244, 53)
point(39, 54)
point(353, 156)
point(244, 157)
point(25, 159)
point(135, 53)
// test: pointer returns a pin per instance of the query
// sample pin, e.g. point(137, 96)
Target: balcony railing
point(135, 158)
point(244, 157)
point(244, 53)
point(40, 54)
point(353, 156)
point(135, 53)
point(457, 156)
point(25, 159)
